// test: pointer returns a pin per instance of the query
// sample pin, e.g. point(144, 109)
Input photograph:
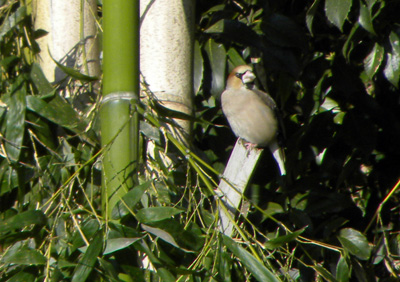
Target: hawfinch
point(251, 113)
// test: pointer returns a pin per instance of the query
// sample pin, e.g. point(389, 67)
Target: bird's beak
point(248, 77)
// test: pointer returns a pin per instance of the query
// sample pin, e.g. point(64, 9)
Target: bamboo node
point(117, 96)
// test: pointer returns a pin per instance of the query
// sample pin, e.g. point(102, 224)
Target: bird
point(251, 113)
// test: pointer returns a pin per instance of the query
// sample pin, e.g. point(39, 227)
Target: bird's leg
point(249, 146)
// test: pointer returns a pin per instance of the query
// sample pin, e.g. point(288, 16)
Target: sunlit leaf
point(392, 68)
point(355, 243)
point(116, 244)
point(154, 214)
point(373, 61)
point(164, 235)
point(75, 73)
point(337, 11)
point(254, 266)
point(365, 18)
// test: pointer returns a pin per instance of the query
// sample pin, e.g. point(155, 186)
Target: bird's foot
point(249, 146)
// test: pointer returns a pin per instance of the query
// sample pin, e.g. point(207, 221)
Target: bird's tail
point(279, 156)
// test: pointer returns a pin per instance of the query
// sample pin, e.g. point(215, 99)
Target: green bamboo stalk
point(119, 124)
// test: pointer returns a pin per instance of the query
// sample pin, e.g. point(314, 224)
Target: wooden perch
point(237, 174)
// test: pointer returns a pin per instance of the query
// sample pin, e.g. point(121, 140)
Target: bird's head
point(241, 76)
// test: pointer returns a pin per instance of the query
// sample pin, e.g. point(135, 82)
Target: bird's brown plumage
point(251, 113)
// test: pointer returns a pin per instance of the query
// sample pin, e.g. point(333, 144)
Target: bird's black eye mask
point(239, 75)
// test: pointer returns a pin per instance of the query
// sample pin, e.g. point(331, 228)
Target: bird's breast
point(249, 116)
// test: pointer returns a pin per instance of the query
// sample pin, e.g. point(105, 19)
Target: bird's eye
point(239, 75)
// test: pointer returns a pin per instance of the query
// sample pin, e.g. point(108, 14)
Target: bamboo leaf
point(58, 111)
point(281, 240)
point(164, 235)
point(355, 243)
point(198, 68)
point(74, 73)
point(337, 11)
point(22, 276)
point(26, 257)
point(12, 21)
point(129, 200)
point(260, 272)
point(22, 220)
point(154, 214)
point(38, 78)
point(117, 244)
point(89, 258)
point(15, 127)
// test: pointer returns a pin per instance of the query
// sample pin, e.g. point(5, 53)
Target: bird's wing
point(281, 136)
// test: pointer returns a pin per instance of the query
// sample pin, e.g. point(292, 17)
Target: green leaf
point(311, 14)
point(281, 240)
point(154, 214)
point(164, 235)
point(392, 68)
point(74, 73)
point(198, 68)
point(324, 273)
point(88, 260)
point(22, 276)
point(282, 31)
point(259, 271)
point(58, 111)
point(15, 127)
point(12, 21)
point(89, 229)
point(272, 208)
point(38, 78)
point(337, 11)
point(343, 271)
point(22, 220)
point(373, 60)
point(235, 57)
point(365, 18)
point(355, 243)
point(26, 257)
point(217, 56)
point(129, 200)
point(117, 244)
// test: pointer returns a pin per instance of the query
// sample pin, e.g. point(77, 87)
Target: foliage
point(332, 67)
